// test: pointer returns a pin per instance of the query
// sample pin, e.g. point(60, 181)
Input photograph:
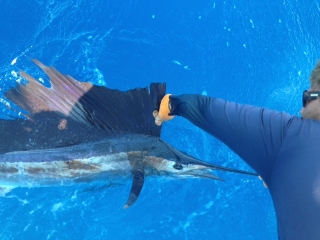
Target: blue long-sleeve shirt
point(283, 149)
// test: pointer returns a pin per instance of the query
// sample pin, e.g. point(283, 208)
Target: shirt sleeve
point(255, 134)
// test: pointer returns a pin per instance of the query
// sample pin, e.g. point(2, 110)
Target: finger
point(158, 121)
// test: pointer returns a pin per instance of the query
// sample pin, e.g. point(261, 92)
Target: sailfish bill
point(73, 131)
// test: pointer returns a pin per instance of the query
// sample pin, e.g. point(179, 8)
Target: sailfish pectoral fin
point(137, 184)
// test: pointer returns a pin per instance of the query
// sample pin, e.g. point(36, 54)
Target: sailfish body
point(78, 132)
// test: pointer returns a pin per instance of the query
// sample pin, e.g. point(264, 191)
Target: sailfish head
point(179, 164)
point(194, 169)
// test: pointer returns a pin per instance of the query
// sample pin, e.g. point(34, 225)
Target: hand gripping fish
point(78, 132)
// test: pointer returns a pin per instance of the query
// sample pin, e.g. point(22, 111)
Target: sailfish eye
point(178, 166)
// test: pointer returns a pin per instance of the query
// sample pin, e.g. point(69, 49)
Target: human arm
point(255, 134)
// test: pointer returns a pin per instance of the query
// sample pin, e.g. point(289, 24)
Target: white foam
point(209, 205)
point(13, 73)
point(186, 67)
point(56, 207)
point(14, 61)
point(252, 25)
point(176, 62)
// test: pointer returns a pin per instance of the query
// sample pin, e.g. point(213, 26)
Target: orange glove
point(163, 114)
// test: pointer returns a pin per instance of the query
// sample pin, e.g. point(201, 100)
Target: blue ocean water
point(255, 52)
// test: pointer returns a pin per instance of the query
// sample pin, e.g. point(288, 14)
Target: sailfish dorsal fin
point(72, 112)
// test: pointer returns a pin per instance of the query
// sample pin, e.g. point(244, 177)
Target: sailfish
point(75, 131)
